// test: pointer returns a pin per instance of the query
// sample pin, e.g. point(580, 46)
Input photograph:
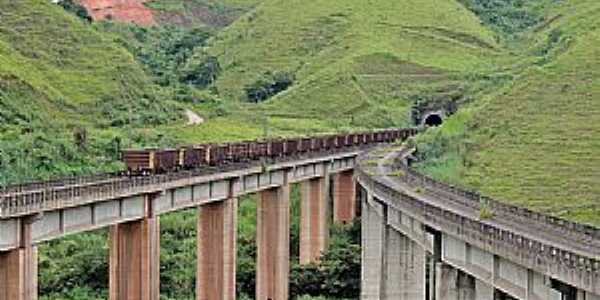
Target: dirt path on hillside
point(193, 118)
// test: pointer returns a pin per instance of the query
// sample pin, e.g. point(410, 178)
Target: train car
point(193, 156)
point(138, 161)
point(306, 145)
point(276, 148)
point(329, 142)
point(291, 147)
point(349, 140)
point(218, 154)
point(166, 160)
point(150, 160)
point(239, 152)
point(258, 149)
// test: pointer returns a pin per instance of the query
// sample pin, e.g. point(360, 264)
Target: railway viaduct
point(421, 239)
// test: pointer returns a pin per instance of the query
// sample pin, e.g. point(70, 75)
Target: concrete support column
point(217, 235)
point(314, 226)
point(466, 287)
point(446, 281)
point(134, 259)
point(18, 269)
point(273, 244)
point(344, 197)
point(415, 261)
point(483, 291)
point(373, 237)
point(394, 265)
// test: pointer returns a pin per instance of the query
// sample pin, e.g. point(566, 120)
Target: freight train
point(155, 161)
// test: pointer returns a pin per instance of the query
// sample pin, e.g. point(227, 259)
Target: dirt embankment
point(133, 11)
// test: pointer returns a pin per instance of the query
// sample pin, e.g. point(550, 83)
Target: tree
point(76, 9)
point(201, 70)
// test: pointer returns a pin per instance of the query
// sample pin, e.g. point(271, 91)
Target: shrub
point(76, 9)
point(268, 85)
point(201, 70)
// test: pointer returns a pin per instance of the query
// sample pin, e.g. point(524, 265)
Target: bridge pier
point(18, 269)
point(404, 265)
point(217, 234)
point(314, 227)
point(273, 243)
point(344, 197)
point(454, 284)
point(373, 237)
point(134, 258)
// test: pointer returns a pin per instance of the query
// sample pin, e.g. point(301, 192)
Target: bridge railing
point(32, 198)
point(545, 258)
point(581, 233)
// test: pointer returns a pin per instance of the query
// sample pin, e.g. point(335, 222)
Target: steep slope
point(354, 63)
point(60, 78)
point(536, 141)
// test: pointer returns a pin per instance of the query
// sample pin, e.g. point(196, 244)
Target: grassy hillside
point(60, 78)
point(354, 63)
point(534, 142)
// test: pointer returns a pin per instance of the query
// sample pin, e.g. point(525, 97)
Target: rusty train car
point(154, 161)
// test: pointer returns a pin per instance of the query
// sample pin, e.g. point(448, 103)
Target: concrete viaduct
point(131, 208)
point(421, 239)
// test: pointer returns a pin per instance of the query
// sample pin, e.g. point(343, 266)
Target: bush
point(76, 9)
point(268, 85)
point(506, 16)
point(201, 70)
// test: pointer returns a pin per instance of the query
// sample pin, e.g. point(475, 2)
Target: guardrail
point(582, 233)
point(37, 197)
point(543, 257)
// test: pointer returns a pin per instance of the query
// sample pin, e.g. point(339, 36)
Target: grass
point(355, 64)
point(209, 13)
point(532, 143)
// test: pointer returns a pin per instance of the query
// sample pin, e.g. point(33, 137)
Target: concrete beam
point(18, 269)
point(314, 225)
point(344, 197)
point(217, 235)
point(273, 243)
point(134, 259)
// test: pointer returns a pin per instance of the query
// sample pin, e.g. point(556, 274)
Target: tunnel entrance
point(433, 120)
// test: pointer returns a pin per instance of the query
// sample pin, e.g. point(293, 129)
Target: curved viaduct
point(421, 239)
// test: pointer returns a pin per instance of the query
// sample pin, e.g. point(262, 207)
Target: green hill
point(534, 142)
point(59, 77)
point(354, 63)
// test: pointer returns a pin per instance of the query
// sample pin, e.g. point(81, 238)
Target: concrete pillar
point(314, 227)
point(18, 269)
point(466, 287)
point(415, 259)
point(344, 197)
point(217, 235)
point(446, 281)
point(483, 291)
point(373, 237)
point(273, 244)
point(394, 265)
point(134, 259)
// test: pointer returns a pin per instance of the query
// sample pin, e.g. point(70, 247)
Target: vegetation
point(521, 77)
point(530, 142)
point(268, 86)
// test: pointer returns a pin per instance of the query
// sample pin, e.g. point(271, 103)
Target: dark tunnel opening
point(433, 120)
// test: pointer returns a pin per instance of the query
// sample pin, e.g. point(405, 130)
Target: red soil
point(133, 11)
